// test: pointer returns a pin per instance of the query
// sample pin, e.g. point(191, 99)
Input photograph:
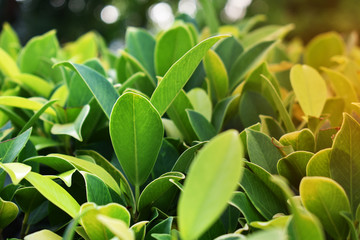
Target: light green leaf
point(345, 160)
point(104, 93)
point(72, 129)
point(16, 171)
point(270, 234)
point(139, 230)
point(319, 164)
point(179, 73)
point(136, 142)
point(326, 199)
point(84, 48)
point(279, 222)
point(210, 16)
point(26, 103)
point(8, 213)
point(322, 48)
point(7, 65)
point(43, 235)
point(247, 61)
point(54, 193)
point(33, 84)
point(170, 46)
point(310, 89)
point(10, 149)
point(262, 151)
point(9, 41)
point(117, 227)
point(302, 140)
point(201, 102)
point(210, 184)
point(217, 75)
point(36, 56)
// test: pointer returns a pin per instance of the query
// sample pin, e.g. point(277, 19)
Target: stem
point(137, 193)
point(24, 227)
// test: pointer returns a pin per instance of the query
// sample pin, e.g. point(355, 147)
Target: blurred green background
point(72, 18)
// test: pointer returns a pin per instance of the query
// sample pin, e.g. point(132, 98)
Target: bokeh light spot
point(161, 14)
point(109, 14)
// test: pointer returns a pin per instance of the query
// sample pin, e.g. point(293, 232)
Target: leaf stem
point(25, 226)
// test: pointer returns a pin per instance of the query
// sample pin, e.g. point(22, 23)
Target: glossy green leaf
point(139, 230)
point(93, 226)
point(342, 86)
point(221, 110)
point(33, 84)
point(311, 99)
point(43, 235)
point(179, 73)
point(170, 46)
point(84, 48)
point(262, 151)
point(326, 199)
point(54, 193)
point(247, 61)
point(228, 50)
point(184, 161)
point(96, 190)
point(26, 103)
point(164, 227)
point(279, 222)
point(293, 166)
point(8, 65)
point(136, 142)
point(36, 56)
point(10, 149)
point(104, 93)
point(322, 48)
point(137, 81)
point(72, 129)
point(209, 180)
point(201, 102)
point(141, 45)
point(217, 75)
point(66, 177)
point(202, 127)
point(319, 164)
point(302, 140)
point(117, 227)
point(242, 202)
point(159, 192)
point(345, 160)
point(8, 213)
point(177, 113)
point(28, 198)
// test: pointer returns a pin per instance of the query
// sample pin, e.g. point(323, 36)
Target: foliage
point(183, 135)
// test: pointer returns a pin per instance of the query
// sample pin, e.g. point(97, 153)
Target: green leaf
point(177, 113)
point(8, 213)
point(311, 99)
point(209, 181)
point(104, 93)
point(326, 199)
point(26, 103)
point(228, 50)
point(54, 193)
point(201, 102)
point(43, 235)
point(164, 227)
point(93, 226)
point(96, 190)
point(270, 234)
point(302, 140)
point(262, 151)
point(33, 84)
point(334, 108)
point(139, 230)
point(117, 227)
point(184, 161)
point(10, 149)
point(9, 40)
point(7, 65)
point(137, 81)
point(345, 160)
point(159, 193)
point(203, 129)
point(179, 73)
point(322, 48)
point(141, 45)
point(72, 129)
point(266, 33)
point(36, 56)
point(28, 199)
point(170, 46)
point(293, 166)
point(271, 127)
point(217, 74)
point(136, 142)
point(84, 48)
point(348, 217)
point(244, 205)
point(247, 61)
point(279, 222)
point(319, 164)
point(221, 110)
point(342, 86)
point(210, 16)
